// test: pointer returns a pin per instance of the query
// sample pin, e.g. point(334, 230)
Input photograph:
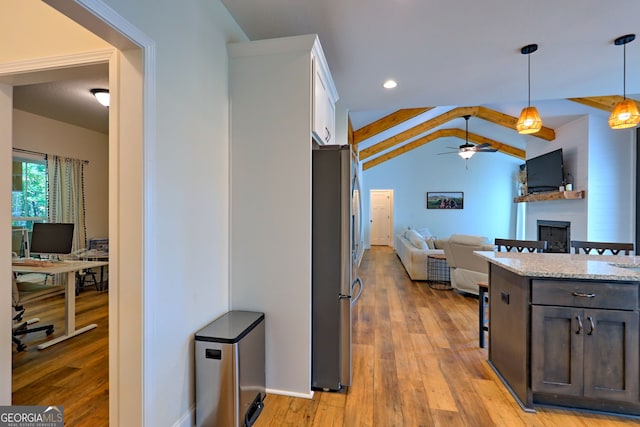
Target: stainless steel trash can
point(230, 370)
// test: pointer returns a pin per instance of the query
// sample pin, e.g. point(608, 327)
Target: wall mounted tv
point(546, 172)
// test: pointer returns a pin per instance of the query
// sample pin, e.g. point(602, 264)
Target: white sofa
point(412, 247)
point(466, 268)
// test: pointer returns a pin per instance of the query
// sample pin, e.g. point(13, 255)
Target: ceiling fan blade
point(486, 144)
point(487, 150)
point(450, 152)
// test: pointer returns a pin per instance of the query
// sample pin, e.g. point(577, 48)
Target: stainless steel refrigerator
point(336, 252)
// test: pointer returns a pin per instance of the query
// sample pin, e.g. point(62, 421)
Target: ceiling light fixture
point(529, 120)
point(466, 151)
point(625, 113)
point(102, 95)
point(390, 84)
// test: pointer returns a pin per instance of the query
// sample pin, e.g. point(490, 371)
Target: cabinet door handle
point(583, 295)
point(579, 319)
point(592, 324)
point(328, 132)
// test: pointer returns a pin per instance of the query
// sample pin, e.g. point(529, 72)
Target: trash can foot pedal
point(254, 410)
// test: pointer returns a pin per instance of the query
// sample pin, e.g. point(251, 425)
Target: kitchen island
point(564, 329)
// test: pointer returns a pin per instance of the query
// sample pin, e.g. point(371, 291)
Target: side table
point(438, 272)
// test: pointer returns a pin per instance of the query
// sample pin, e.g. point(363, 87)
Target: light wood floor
point(73, 373)
point(416, 363)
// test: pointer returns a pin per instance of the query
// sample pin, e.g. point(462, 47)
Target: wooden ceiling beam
point(479, 112)
point(501, 147)
point(605, 103)
point(416, 130)
point(386, 123)
point(444, 133)
point(510, 122)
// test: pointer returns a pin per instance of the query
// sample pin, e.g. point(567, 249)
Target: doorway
point(130, 66)
point(381, 217)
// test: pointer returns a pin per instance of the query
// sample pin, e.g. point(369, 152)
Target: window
point(29, 201)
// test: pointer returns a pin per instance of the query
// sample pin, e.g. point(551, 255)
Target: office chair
point(20, 326)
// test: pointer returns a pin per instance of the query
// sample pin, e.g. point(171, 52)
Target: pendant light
point(625, 113)
point(466, 151)
point(529, 120)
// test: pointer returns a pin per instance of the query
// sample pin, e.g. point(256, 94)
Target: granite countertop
point(567, 266)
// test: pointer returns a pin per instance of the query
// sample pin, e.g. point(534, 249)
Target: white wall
point(190, 192)
point(611, 190)
point(271, 201)
point(573, 138)
point(488, 185)
point(602, 162)
point(43, 135)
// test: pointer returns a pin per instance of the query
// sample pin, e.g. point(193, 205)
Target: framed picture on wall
point(445, 200)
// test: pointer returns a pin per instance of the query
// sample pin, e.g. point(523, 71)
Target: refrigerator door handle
point(360, 287)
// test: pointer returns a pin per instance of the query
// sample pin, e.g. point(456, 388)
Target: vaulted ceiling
point(420, 134)
point(455, 57)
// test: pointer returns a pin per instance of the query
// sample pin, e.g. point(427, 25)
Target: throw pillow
point(416, 239)
point(424, 232)
point(431, 242)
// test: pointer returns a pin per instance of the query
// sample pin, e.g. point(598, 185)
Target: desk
point(69, 267)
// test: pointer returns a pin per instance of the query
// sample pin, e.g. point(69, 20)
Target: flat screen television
point(48, 238)
point(546, 172)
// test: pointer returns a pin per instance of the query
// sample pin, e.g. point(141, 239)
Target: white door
point(381, 217)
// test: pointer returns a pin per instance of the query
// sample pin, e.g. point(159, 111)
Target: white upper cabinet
point(324, 99)
point(324, 116)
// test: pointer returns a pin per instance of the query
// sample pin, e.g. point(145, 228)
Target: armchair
point(466, 268)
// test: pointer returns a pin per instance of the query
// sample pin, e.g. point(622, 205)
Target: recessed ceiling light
point(390, 84)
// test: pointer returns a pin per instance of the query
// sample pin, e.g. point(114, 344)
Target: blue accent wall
point(487, 180)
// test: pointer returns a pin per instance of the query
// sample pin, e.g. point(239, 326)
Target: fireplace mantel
point(553, 195)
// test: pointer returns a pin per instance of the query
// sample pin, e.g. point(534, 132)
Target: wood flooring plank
point(74, 373)
point(417, 362)
point(388, 407)
point(358, 410)
point(438, 393)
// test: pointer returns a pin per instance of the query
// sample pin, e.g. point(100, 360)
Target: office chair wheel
point(21, 347)
point(49, 331)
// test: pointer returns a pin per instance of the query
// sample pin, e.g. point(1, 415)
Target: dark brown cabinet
point(565, 341)
point(585, 352)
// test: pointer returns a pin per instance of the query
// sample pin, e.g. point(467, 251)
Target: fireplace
point(557, 234)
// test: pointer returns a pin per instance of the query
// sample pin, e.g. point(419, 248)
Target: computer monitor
point(50, 238)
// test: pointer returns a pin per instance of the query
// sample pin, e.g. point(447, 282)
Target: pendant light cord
point(624, 71)
point(529, 78)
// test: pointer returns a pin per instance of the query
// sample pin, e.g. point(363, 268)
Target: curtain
point(66, 196)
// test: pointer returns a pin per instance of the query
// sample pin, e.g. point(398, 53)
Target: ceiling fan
point(467, 150)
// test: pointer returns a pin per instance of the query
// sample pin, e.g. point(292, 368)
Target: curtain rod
point(22, 150)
